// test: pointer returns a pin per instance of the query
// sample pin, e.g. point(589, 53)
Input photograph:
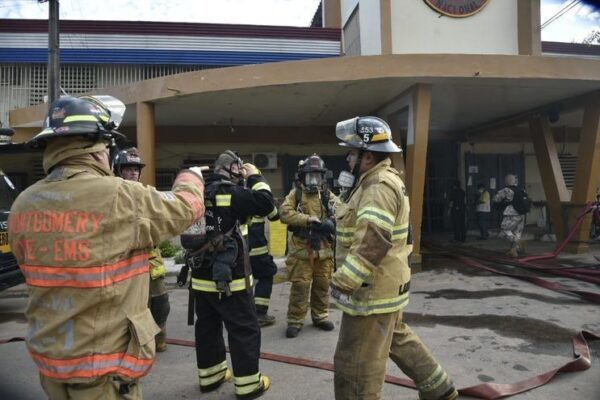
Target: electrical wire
point(560, 13)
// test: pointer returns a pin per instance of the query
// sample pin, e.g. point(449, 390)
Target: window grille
point(23, 85)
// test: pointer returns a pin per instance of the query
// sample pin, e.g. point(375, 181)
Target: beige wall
point(416, 28)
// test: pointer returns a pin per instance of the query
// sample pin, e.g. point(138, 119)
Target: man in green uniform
point(372, 279)
point(307, 210)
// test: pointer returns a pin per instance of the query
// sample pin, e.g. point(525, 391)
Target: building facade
point(471, 95)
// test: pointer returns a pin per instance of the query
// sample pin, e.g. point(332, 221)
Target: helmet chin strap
point(356, 172)
point(112, 152)
point(232, 174)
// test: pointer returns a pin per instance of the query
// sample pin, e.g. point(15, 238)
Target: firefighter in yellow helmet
point(82, 238)
point(372, 279)
point(308, 211)
point(128, 165)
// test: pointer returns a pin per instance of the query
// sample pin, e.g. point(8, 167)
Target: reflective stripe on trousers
point(236, 285)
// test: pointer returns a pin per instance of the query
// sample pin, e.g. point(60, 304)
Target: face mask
point(313, 179)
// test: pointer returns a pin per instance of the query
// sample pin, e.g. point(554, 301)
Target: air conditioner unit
point(265, 160)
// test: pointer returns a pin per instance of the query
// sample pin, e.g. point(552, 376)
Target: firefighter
point(128, 165)
point(511, 227)
point(263, 266)
point(222, 279)
point(307, 210)
point(83, 238)
point(371, 283)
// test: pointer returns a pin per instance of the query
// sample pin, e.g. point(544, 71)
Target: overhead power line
point(560, 13)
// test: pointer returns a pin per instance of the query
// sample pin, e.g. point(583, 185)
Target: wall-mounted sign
point(457, 8)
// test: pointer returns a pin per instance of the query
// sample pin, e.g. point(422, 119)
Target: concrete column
point(550, 170)
point(528, 26)
point(587, 174)
point(332, 14)
point(146, 143)
point(416, 149)
point(385, 16)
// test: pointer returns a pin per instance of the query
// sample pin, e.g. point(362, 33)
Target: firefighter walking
point(372, 280)
point(222, 279)
point(128, 165)
point(513, 223)
point(82, 238)
point(307, 210)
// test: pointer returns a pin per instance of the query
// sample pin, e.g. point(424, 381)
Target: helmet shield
point(86, 116)
point(366, 133)
point(115, 107)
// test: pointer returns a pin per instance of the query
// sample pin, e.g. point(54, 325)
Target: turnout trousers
point(238, 314)
point(159, 306)
point(365, 343)
point(104, 388)
point(263, 270)
point(310, 285)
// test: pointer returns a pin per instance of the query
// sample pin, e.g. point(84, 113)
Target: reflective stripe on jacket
point(372, 250)
point(83, 240)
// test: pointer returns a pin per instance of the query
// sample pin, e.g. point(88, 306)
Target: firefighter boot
point(264, 319)
point(214, 386)
point(513, 251)
point(265, 384)
point(451, 394)
point(324, 325)
point(161, 339)
point(521, 246)
point(292, 331)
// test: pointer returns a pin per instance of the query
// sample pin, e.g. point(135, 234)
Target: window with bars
point(23, 85)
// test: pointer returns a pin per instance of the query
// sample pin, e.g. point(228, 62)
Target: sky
point(573, 26)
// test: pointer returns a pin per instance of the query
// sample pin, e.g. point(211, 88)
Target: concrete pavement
point(482, 328)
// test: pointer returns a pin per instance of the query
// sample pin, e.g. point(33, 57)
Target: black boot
point(292, 331)
point(265, 319)
point(324, 325)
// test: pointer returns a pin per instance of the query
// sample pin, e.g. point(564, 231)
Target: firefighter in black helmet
point(128, 165)
point(372, 281)
point(222, 279)
point(91, 333)
point(308, 210)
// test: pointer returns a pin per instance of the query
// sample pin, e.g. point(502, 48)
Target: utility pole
point(53, 52)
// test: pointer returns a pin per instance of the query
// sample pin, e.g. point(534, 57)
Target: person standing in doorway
point(483, 211)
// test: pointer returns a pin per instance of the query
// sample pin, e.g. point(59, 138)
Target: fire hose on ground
point(488, 391)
